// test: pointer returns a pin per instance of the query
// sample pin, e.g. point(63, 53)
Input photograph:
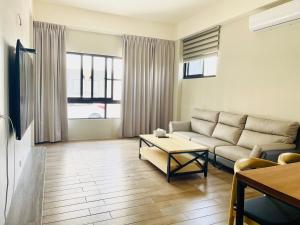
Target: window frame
point(186, 66)
point(106, 100)
point(188, 76)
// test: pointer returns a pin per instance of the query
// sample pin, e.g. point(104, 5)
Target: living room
point(149, 112)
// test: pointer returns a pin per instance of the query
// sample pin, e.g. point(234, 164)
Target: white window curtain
point(50, 82)
point(148, 84)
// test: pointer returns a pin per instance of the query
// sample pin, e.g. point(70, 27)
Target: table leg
point(240, 202)
point(140, 148)
point(168, 167)
point(206, 164)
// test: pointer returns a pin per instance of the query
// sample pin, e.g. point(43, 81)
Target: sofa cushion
point(281, 128)
point(186, 134)
point(260, 131)
point(229, 127)
point(232, 119)
point(202, 126)
point(179, 126)
point(211, 116)
point(227, 133)
point(249, 139)
point(232, 152)
point(209, 142)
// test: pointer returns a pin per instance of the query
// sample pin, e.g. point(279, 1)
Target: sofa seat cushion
point(210, 142)
point(186, 134)
point(232, 152)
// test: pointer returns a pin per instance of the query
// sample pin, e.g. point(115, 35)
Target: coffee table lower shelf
point(176, 164)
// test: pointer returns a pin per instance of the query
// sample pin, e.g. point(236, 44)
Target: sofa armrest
point(258, 150)
point(179, 126)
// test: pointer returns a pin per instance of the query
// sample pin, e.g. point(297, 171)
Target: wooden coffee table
point(175, 156)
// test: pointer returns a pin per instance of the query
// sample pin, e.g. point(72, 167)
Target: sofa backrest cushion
point(204, 121)
point(227, 133)
point(232, 119)
point(202, 126)
point(211, 116)
point(265, 131)
point(229, 127)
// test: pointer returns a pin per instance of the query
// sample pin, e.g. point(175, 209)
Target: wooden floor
point(104, 182)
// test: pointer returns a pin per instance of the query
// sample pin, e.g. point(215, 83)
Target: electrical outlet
point(20, 163)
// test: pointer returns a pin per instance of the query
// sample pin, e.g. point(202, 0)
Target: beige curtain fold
point(148, 84)
point(51, 124)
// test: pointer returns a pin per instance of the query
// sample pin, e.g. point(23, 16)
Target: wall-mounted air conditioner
point(284, 13)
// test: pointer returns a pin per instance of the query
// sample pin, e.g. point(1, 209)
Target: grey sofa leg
point(215, 160)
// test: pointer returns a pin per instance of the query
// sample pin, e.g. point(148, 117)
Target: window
point(205, 67)
point(200, 54)
point(94, 86)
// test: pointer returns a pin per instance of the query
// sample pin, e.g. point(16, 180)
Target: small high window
point(200, 54)
point(205, 67)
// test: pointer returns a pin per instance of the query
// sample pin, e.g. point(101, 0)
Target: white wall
point(98, 33)
point(10, 31)
point(217, 13)
point(94, 129)
point(209, 15)
point(186, 92)
point(96, 43)
point(93, 21)
point(258, 74)
point(102, 44)
point(177, 81)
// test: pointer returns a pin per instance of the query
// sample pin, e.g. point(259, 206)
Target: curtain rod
point(91, 31)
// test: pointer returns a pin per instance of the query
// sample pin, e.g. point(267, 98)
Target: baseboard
point(26, 205)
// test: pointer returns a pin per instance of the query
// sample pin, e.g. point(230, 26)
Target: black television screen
point(21, 90)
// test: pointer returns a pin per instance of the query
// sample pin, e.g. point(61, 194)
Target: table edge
point(268, 190)
point(180, 151)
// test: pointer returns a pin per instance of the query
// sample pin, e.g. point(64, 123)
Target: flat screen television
point(21, 85)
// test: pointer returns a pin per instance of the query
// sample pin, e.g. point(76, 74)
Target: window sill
point(194, 77)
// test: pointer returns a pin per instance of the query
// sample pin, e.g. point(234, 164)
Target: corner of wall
point(177, 81)
point(9, 33)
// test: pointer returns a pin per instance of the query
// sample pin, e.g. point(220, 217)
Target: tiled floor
point(104, 182)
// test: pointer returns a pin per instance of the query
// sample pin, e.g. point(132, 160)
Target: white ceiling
point(168, 11)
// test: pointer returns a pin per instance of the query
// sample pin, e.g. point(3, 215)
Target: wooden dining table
point(281, 182)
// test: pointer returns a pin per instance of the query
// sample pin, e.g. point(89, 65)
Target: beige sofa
point(230, 136)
